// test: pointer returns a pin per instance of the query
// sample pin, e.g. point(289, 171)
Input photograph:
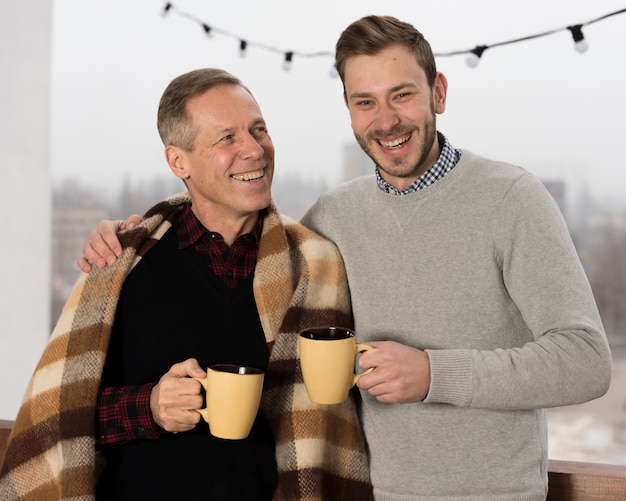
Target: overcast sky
point(537, 103)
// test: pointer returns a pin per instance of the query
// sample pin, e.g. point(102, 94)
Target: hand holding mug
point(233, 395)
point(174, 395)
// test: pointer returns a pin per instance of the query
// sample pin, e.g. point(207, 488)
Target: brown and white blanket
point(299, 282)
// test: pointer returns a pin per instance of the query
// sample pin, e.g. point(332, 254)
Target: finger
point(174, 388)
point(381, 376)
point(175, 420)
point(187, 418)
point(181, 421)
point(387, 398)
point(106, 236)
point(376, 344)
point(381, 391)
point(372, 358)
point(368, 381)
point(83, 265)
point(189, 402)
point(131, 222)
point(91, 255)
point(102, 249)
point(181, 399)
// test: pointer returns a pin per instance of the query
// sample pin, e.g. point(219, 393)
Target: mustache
point(397, 130)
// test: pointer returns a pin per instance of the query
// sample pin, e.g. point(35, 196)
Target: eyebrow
point(395, 88)
point(232, 130)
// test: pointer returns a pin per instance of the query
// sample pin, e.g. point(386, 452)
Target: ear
point(440, 92)
point(175, 158)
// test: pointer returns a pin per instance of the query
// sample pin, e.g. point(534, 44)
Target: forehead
point(387, 69)
point(224, 106)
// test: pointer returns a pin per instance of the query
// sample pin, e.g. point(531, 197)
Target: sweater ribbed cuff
point(450, 377)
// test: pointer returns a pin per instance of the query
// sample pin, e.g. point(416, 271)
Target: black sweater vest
point(172, 307)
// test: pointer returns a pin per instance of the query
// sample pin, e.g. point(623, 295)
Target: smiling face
point(392, 110)
point(229, 170)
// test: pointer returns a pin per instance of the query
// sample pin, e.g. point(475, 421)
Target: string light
point(288, 61)
point(207, 30)
point(473, 56)
point(580, 44)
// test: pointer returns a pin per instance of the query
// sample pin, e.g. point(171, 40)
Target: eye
point(259, 132)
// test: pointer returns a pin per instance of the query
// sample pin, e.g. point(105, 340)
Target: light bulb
point(287, 62)
point(474, 55)
point(207, 30)
point(580, 44)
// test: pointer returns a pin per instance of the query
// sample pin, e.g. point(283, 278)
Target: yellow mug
point(233, 396)
point(327, 358)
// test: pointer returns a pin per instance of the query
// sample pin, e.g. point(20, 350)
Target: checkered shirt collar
point(448, 158)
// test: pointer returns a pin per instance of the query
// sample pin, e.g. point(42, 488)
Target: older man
point(214, 275)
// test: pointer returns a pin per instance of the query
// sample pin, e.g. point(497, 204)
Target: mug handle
point(203, 412)
point(360, 348)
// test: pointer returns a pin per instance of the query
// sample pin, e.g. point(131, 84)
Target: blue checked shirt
point(447, 160)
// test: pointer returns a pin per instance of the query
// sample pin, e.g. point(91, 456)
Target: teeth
point(393, 144)
point(251, 176)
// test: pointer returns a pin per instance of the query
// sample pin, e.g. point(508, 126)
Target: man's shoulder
point(308, 241)
point(492, 181)
point(476, 160)
point(353, 189)
point(352, 185)
point(487, 170)
point(300, 232)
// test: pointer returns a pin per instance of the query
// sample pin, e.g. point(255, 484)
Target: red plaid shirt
point(123, 413)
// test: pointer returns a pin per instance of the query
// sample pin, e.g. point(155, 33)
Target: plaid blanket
point(299, 282)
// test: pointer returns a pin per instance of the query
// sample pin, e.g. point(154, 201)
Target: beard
point(399, 167)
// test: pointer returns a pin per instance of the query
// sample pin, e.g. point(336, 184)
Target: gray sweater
point(479, 270)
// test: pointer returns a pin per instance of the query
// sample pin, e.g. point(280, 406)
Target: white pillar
point(25, 59)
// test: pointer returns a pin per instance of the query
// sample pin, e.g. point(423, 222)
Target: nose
point(387, 116)
point(251, 147)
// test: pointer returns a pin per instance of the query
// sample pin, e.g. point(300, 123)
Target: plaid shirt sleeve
point(123, 414)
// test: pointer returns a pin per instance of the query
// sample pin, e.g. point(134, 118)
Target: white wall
point(25, 35)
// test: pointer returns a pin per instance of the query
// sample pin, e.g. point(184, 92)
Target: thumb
point(188, 368)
